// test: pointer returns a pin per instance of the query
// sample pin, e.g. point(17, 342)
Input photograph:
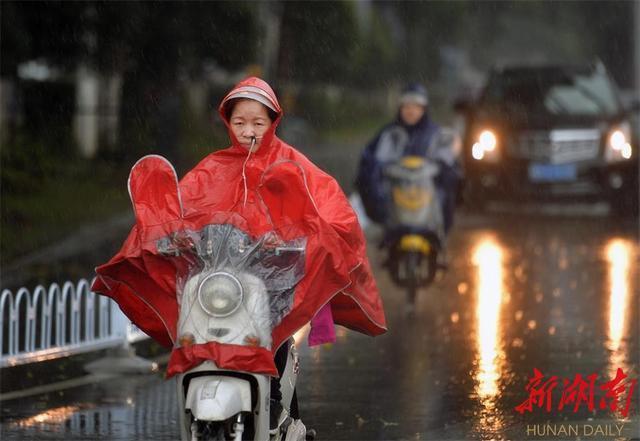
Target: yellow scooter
point(414, 234)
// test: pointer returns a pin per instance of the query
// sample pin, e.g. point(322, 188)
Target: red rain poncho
point(337, 270)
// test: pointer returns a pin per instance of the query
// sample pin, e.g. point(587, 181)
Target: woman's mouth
point(250, 143)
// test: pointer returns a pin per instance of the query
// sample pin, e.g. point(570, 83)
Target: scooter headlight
point(220, 294)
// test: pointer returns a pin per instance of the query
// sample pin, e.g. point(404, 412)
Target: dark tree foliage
point(317, 41)
point(609, 28)
point(51, 30)
point(150, 45)
point(423, 28)
point(157, 37)
point(374, 59)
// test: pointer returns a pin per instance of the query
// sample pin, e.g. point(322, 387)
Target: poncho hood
point(256, 89)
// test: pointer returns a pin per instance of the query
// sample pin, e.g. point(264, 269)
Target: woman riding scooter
point(338, 286)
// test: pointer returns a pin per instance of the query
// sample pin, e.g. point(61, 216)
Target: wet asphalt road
point(554, 292)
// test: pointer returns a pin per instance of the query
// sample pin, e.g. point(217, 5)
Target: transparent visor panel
point(233, 288)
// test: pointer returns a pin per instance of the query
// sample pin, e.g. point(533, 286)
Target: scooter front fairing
point(237, 289)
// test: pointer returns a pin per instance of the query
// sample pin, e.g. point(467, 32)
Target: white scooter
point(232, 290)
point(226, 299)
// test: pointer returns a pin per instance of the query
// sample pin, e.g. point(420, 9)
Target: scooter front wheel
point(412, 268)
point(208, 432)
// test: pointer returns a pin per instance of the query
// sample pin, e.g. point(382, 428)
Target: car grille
point(557, 146)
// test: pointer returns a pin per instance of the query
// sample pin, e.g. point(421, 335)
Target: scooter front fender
point(188, 393)
point(217, 398)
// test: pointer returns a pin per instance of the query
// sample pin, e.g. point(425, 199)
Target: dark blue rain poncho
point(394, 141)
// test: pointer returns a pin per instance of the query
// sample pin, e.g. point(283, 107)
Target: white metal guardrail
point(58, 322)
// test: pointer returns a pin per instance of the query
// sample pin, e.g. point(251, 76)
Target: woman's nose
point(248, 132)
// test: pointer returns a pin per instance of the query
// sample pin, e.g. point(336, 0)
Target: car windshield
point(552, 91)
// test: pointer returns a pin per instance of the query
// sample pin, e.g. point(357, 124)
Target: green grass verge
point(82, 193)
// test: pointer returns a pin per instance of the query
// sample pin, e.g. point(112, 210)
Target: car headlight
point(485, 146)
point(220, 294)
point(618, 147)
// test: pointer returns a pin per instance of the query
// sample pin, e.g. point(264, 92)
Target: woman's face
point(411, 113)
point(249, 119)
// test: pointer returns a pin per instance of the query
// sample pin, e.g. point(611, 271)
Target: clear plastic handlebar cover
point(233, 288)
point(413, 198)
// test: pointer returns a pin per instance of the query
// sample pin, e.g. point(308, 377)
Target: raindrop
point(519, 315)
point(552, 330)
point(556, 312)
point(532, 324)
point(563, 264)
point(388, 423)
point(455, 317)
point(517, 343)
point(462, 288)
point(539, 297)
point(556, 292)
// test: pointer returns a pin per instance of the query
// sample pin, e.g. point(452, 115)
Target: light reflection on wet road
point(487, 258)
point(559, 294)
